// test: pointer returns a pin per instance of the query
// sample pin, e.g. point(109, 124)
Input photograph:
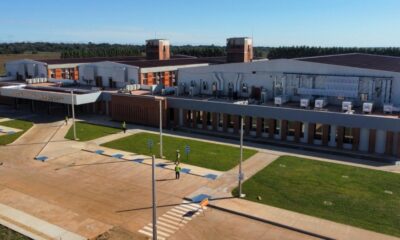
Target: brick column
point(325, 134)
point(236, 123)
point(340, 133)
point(271, 128)
point(297, 131)
point(247, 125)
point(259, 127)
point(389, 143)
point(356, 138)
point(225, 122)
point(311, 131)
point(185, 118)
point(204, 120)
point(284, 129)
point(214, 118)
point(372, 140)
point(398, 145)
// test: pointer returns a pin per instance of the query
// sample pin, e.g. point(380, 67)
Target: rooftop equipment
point(367, 107)
point(264, 96)
point(305, 102)
point(320, 103)
point(388, 108)
point(279, 100)
point(346, 106)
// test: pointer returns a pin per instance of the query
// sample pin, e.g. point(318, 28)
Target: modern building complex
point(347, 103)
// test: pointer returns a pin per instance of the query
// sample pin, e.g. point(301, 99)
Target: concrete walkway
point(33, 227)
point(295, 220)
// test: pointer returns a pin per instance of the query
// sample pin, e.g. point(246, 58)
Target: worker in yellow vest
point(177, 171)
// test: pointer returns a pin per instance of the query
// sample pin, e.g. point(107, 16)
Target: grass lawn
point(87, 131)
point(355, 196)
point(8, 234)
point(203, 154)
point(20, 124)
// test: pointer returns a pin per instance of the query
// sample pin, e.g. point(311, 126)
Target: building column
point(284, 129)
point(214, 119)
point(176, 117)
point(185, 118)
point(325, 134)
point(311, 131)
point(398, 145)
point(297, 131)
point(259, 127)
point(236, 123)
point(180, 117)
point(204, 119)
point(340, 136)
point(225, 123)
point(305, 137)
point(389, 143)
point(247, 125)
point(380, 141)
point(364, 136)
point(332, 140)
point(271, 128)
point(372, 140)
point(356, 138)
point(194, 120)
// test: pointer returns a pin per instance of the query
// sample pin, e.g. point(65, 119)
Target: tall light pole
point(241, 156)
point(73, 113)
point(153, 184)
point(241, 175)
point(160, 100)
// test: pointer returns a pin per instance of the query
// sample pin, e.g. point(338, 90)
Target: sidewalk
point(295, 220)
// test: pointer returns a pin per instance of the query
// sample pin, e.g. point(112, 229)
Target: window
point(253, 123)
point(230, 121)
point(348, 135)
point(205, 86)
point(291, 128)
point(277, 126)
point(244, 88)
point(220, 119)
point(265, 125)
point(318, 131)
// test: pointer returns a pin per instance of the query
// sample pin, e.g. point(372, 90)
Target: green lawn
point(8, 234)
point(87, 131)
point(20, 124)
point(203, 154)
point(360, 197)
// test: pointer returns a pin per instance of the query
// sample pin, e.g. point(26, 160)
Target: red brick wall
point(137, 109)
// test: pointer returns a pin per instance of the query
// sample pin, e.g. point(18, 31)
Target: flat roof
point(174, 62)
point(359, 60)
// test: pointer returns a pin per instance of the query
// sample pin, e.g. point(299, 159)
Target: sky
point(348, 23)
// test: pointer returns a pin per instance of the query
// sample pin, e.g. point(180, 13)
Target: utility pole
point(153, 184)
point(73, 113)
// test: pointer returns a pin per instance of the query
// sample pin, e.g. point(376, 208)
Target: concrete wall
point(264, 73)
point(122, 74)
point(26, 68)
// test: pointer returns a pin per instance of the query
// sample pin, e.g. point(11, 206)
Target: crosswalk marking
point(171, 221)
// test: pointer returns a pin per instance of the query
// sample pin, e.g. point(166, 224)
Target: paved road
point(89, 194)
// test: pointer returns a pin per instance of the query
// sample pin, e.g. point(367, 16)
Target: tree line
point(81, 50)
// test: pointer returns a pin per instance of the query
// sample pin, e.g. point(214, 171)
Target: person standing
point(66, 120)
point(177, 171)
point(124, 126)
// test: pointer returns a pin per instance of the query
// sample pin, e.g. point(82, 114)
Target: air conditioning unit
point(367, 107)
point(264, 96)
point(280, 100)
point(346, 106)
point(388, 108)
point(305, 102)
point(191, 91)
point(320, 103)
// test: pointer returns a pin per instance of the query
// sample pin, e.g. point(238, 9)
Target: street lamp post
point(73, 113)
point(160, 99)
point(241, 175)
point(153, 184)
point(241, 157)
